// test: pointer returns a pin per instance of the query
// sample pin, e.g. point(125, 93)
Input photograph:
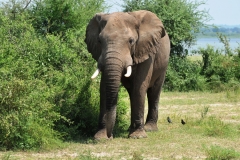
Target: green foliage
point(45, 89)
point(181, 18)
point(46, 94)
point(122, 119)
point(223, 39)
point(58, 16)
point(216, 152)
point(220, 68)
point(237, 50)
point(183, 75)
point(27, 110)
point(236, 61)
point(26, 120)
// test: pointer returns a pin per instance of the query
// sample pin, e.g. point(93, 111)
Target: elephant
point(131, 49)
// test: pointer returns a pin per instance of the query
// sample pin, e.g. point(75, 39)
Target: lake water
point(203, 42)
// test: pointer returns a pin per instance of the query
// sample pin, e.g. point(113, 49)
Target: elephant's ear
point(150, 32)
point(92, 33)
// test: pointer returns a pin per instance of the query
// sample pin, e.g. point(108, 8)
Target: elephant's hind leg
point(153, 95)
point(152, 116)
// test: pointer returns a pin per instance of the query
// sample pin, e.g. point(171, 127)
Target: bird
point(169, 120)
point(182, 121)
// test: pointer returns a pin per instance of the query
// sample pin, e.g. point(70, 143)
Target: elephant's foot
point(101, 135)
point(150, 127)
point(138, 133)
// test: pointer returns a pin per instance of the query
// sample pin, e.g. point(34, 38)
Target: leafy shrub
point(58, 16)
point(217, 64)
point(220, 70)
point(122, 119)
point(26, 121)
point(236, 61)
point(27, 109)
point(183, 75)
point(46, 94)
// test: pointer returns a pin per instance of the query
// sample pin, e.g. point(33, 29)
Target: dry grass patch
point(212, 126)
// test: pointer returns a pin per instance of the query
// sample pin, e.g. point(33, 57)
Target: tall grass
point(216, 152)
point(213, 127)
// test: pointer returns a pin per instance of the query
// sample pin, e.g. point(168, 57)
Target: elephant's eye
point(131, 41)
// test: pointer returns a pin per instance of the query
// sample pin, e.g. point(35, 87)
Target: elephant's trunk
point(113, 72)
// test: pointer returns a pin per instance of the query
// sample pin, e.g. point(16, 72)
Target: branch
point(26, 5)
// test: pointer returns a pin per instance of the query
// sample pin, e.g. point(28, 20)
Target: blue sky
point(223, 12)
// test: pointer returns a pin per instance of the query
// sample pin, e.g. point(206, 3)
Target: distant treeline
point(233, 31)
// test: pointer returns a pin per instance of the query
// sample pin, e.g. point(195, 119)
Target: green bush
point(216, 64)
point(26, 117)
point(46, 93)
point(58, 16)
point(27, 109)
point(220, 69)
point(123, 119)
point(183, 75)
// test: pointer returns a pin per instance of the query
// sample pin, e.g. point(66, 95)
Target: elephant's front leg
point(137, 116)
point(102, 132)
point(138, 91)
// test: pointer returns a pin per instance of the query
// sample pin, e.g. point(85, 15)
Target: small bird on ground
point(169, 120)
point(182, 121)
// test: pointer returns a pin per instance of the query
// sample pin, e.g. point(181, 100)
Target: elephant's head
point(117, 41)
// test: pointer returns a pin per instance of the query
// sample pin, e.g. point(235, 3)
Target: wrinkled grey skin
point(119, 40)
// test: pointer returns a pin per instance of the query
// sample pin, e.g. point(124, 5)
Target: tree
point(58, 16)
point(14, 7)
point(181, 18)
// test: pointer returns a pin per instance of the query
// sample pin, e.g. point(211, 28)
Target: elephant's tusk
point(129, 71)
point(95, 74)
